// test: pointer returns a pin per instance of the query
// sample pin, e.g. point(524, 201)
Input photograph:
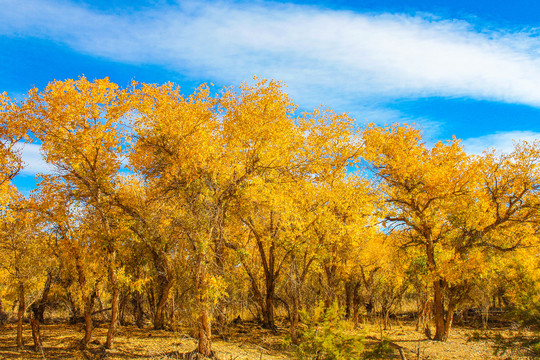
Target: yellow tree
point(80, 124)
point(23, 257)
point(277, 207)
point(453, 205)
point(13, 128)
point(419, 183)
point(156, 240)
point(14, 123)
point(74, 247)
point(202, 152)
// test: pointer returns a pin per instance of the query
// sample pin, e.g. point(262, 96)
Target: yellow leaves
point(215, 289)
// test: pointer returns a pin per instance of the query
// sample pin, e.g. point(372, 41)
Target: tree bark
point(36, 335)
point(442, 322)
point(219, 251)
point(115, 299)
point(204, 329)
point(138, 309)
point(20, 315)
point(438, 310)
point(268, 311)
point(295, 319)
point(88, 326)
point(449, 319)
point(3, 315)
point(348, 298)
point(164, 285)
point(40, 309)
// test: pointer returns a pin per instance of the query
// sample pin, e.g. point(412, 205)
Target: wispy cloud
point(338, 57)
point(501, 142)
point(33, 160)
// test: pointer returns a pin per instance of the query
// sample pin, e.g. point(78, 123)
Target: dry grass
point(242, 341)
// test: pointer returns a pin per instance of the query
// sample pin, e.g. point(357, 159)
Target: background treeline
point(167, 210)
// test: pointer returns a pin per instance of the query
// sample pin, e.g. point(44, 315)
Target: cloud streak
point(340, 57)
point(502, 142)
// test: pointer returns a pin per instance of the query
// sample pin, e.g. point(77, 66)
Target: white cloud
point(502, 141)
point(339, 57)
point(33, 160)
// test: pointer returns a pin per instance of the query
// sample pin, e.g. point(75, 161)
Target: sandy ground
point(242, 342)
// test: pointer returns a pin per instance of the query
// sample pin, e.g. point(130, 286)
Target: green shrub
point(382, 350)
point(328, 337)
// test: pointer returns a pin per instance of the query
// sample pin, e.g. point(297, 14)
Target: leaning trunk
point(40, 309)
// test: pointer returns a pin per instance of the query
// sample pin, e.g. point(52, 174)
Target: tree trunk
point(442, 323)
point(138, 309)
point(163, 295)
point(123, 302)
point(204, 329)
point(20, 315)
point(164, 285)
point(3, 315)
point(438, 310)
point(88, 326)
point(268, 312)
point(295, 319)
point(114, 306)
point(449, 319)
point(348, 298)
point(40, 309)
point(219, 251)
point(330, 271)
point(36, 335)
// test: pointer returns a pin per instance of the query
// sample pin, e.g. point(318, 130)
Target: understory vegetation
point(166, 212)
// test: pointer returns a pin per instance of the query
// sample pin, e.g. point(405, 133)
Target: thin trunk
point(115, 299)
point(219, 243)
point(204, 330)
point(20, 315)
point(295, 282)
point(122, 308)
point(295, 319)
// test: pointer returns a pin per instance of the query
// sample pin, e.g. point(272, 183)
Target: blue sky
point(464, 68)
